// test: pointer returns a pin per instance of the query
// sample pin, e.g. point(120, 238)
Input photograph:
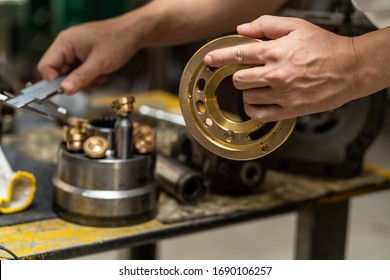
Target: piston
point(106, 183)
point(182, 182)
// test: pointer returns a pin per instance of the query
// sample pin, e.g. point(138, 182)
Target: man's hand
point(89, 51)
point(304, 69)
point(93, 50)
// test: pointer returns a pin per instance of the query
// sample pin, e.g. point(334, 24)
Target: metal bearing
point(209, 125)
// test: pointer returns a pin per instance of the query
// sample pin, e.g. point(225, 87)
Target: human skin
point(304, 69)
point(91, 51)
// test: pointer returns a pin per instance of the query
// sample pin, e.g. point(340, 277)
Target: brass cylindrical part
point(75, 141)
point(124, 105)
point(144, 139)
point(95, 147)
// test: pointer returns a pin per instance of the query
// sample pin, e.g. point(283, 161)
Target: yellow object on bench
point(16, 188)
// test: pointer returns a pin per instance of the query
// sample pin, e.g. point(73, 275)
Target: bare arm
point(175, 21)
point(304, 69)
point(373, 56)
point(94, 50)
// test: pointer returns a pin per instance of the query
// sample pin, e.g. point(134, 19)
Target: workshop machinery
point(221, 175)
point(105, 168)
point(105, 174)
point(331, 143)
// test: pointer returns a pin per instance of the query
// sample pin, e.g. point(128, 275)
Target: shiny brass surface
point(213, 128)
point(74, 139)
point(79, 123)
point(144, 138)
point(95, 147)
point(99, 180)
point(124, 105)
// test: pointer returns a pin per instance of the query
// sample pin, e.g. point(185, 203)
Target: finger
point(248, 54)
point(259, 96)
point(98, 82)
point(55, 61)
point(49, 68)
point(271, 27)
point(82, 76)
point(47, 72)
point(250, 78)
point(65, 69)
point(266, 113)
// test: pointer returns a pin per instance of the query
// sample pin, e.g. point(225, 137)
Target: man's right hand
point(88, 52)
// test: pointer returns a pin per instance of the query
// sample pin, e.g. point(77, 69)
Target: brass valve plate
point(209, 125)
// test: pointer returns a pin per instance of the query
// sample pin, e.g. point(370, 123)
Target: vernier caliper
point(37, 93)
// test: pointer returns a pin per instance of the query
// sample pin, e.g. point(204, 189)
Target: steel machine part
point(332, 143)
point(106, 183)
point(224, 175)
point(212, 127)
point(185, 184)
point(123, 127)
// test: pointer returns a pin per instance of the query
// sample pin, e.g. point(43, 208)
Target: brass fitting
point(65, 131)
point(74, 140)
point(124, 105)
point(144, 139)
point(95, 147)
point(78, 123)
point(68, 131)
point(74, 134)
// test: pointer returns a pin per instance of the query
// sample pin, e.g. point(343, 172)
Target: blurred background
point(27, 28)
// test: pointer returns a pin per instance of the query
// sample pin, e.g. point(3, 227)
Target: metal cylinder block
point(105, 192)
point(105, 183)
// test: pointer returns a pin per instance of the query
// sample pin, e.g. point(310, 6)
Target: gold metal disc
point(209, 125)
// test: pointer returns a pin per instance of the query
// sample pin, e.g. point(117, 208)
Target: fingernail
point(208, 59)
point(243, 26)
point(68, 86)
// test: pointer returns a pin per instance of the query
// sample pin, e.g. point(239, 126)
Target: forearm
point(373, 56)
point(168, 22)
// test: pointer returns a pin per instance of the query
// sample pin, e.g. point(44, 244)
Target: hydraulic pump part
point(215, 129)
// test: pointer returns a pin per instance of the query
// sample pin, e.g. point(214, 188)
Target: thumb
point(81, 77)
point(271, 27)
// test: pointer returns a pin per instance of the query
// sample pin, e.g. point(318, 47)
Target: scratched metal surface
point(277, 190)
point(280, 193)
point(58, 239)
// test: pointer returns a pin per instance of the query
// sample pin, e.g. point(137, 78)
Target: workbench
point(322, 206)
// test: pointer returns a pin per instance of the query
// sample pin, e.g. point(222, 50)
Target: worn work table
point(322, 207)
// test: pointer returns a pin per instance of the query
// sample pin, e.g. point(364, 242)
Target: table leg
point(143, 252)
point(321, 232)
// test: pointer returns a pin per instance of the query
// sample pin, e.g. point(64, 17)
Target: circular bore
point(95, 147)
point(208, 124)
